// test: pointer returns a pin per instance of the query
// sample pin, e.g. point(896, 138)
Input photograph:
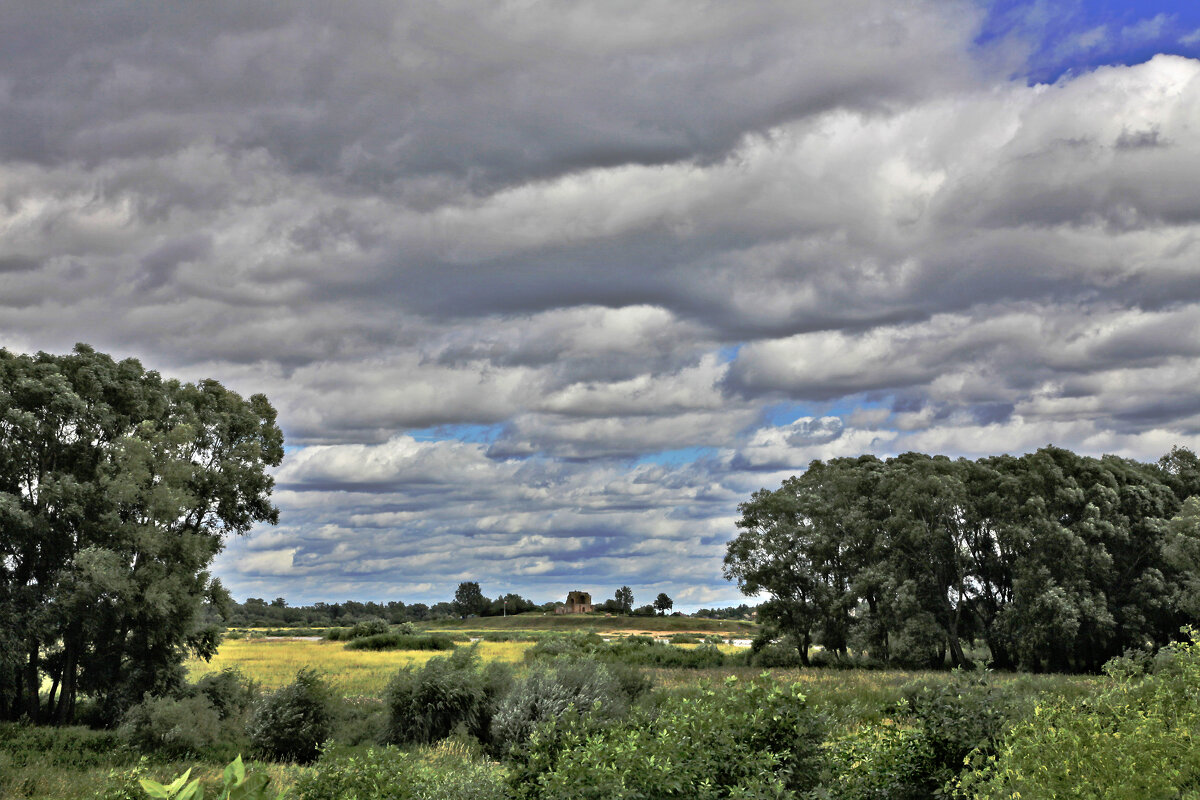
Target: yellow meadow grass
point(274, 662)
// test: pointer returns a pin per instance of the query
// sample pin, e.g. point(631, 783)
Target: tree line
point(1047, 561)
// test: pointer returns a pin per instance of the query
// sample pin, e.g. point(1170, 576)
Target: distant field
point(274, 662)
point(599, 622)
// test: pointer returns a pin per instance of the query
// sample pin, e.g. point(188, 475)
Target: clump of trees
point(1052, 560)
point(117, 488)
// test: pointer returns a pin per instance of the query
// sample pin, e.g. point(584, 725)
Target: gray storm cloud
point(529, 284)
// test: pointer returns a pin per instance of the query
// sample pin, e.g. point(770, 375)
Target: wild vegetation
point(117, 488)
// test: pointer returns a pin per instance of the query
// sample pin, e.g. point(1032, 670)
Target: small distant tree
point(663, 603)
point(469, 599)
point(624, 600)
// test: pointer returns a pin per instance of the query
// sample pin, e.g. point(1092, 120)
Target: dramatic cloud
point(543, 291)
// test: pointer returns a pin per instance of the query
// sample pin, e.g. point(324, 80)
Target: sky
point(543, 290)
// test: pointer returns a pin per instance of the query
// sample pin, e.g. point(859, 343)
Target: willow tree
point(117, 489)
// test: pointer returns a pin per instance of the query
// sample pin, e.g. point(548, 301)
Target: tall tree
point(663, 603)
point(469, 599)
point(117, 489)
point(624, 600)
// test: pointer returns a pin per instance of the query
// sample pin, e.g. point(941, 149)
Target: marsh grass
point(354, 673)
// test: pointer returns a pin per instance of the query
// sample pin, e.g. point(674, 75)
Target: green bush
point(739, 740)
point(230, 692)
point(389, 774)
point(400, 641)
point(173, 726)
point(967, 713)
point(370, 627)
point(878, 761)
point(291, 723)
point(1135, 739)
point(429, 703)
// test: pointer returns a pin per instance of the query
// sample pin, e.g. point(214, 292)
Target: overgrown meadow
point(500, 711)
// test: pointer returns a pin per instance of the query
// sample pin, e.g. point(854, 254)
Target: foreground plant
point(237, 786)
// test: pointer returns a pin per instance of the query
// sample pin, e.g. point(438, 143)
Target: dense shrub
point(173, 726)
point(400, 641)
point(967, 713)
point(1135, 739)
point(922, 746)
point(549, 689)
point(739, 740)
point(447, 693)
point(878, 761)
point(230, 692)
point(291, 723)
point(447, 771)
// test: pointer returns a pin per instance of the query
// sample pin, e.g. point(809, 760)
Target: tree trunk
point(32, 683)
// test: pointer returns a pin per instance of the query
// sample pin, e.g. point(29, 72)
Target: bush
point(744, 740)
point(389, 774)
point(400, 641)
point(879, 761)
point(447, 693)
point(291, 723)
point(548, 690)
point(173, 726)
point(370, 627)
point(1134, 739)
point(230, 692)
point(955, 717)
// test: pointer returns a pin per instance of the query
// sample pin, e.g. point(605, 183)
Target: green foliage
point(69, 746)
point(291, 723)
point(1054, 560)
point(1135, 739)
point(123, 784)
point(883, 760)
point(237, 785)
point(230, 692)
point(390, 774)
point(966, 714)
point(623, 600)
point(469, 599)
point(400, 641)
point(757, 739)
point(446, 694)
point(663, 603)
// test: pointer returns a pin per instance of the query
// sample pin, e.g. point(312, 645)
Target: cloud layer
point(542, 292)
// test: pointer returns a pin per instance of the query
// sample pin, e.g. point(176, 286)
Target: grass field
point(274, 662)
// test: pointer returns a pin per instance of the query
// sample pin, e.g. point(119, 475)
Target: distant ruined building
point(577, 603)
